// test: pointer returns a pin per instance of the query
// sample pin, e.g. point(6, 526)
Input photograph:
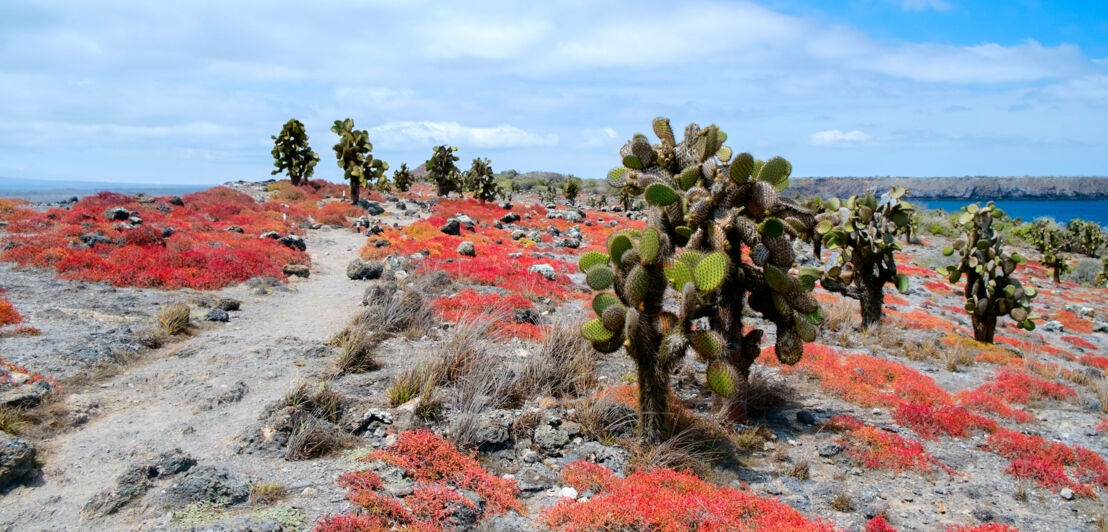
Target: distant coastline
point(957, 188)
point(43, 190)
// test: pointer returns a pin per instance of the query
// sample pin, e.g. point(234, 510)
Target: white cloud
point(426, 132)
point(837, 138)
point(922, 5)
point(596, 137)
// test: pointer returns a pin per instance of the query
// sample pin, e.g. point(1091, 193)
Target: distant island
point(957, 188)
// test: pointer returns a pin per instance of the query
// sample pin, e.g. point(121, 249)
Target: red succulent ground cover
point(10, 318)
point(203, 251)
point(1045, 462)
point(665, 500)
point(875, 448)
point(500, 307)
point(1080, 342)
point(439, 470)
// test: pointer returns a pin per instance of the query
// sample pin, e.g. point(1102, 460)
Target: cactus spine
point(863, 232)
point(990, 291)
point(354, 155)
point(442, 171)
point(684, 280)
point(292, 154)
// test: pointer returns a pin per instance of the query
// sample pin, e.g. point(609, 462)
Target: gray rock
point(1053, 326)
point(17, 459)
point(26, 396)
point(233, 394)
point(205, 484)
point(296, 270)
point(1066, 494)
point(572, 243)
point(983, 514)
point(805, 417)
point(371, 207)
point(509, 522)
point(467, 249)
point(828, 449)
point(134, 482)
point(1100, 326)
point(91, 239)
point(216, 314)
point(117, 214)
point(544, 270)
point(527, 315)
point(452, 227)
point(228, 304)
point(239, 524)
point(294, 242)
point(270, 234)
point(511, 217)
point(362, 270)
point(550, 438)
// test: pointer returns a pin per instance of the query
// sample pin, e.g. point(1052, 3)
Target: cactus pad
point(660, 195)
point(632, 162)
point(720, 379)
point(663, 130)
point(771, 228)
point(599, 277)
point(618, 244)
point(710, 272)
point(678, 274)
point(612, 317)
point(594, 331)
point(610, 345)
point(689, 177)
point(602, 301)
point(649, 245)
point(590, 259)
point(709, 344)
point(777, 280)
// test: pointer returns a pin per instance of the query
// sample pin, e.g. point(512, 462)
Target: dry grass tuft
point(267, 493)
point(313, 439)
point(358, 346)
point(321, 401)
point(174, 318)
point(565, 366)
point(1099, 387)
point(604, 419)
point(752, 437)
point(799, 470)
point(408, 384)
point(685, 451)
point(11, 420)
point(842, 502)
point(468, 344)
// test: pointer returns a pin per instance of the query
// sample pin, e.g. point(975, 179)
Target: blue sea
point(1061, 211)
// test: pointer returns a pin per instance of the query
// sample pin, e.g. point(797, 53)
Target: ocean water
point(1061, 211)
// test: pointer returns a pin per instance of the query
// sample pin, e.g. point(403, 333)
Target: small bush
point(357, 349)
point(268, 493)
point(408, 384)
point(174, 318)
point(1085, 271)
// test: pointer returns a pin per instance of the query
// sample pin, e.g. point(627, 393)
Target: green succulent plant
point(354, 155)
point(1083, 237)
point(479, 181)
point(863, 233)
point(402, 179)
point(573, 187)
point(990, 289)
point(684, 280)
point(442, 171)
point(292, 154)
point(1049, 240)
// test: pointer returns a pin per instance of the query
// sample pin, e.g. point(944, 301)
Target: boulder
point(467, 249)
point(544, 270)
point(359, 270)
point(205, 484)
point(296, 270)
point(26, 396)
point(216, 314)
point(117, 214)
point(452, 227)
point(228, 304)
point(17, 459)
point(293, 242)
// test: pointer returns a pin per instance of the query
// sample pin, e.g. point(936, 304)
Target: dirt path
point(163, 402)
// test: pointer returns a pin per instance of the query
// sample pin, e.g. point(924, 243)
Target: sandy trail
point(157, 404)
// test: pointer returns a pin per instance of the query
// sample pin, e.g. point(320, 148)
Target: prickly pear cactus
point(1049, 240)
point(863, 233)
point(479, 181)
point(354, 155)
point(991, 291)
point(291, 153)
point(1084, 237)
point(402, 179)
point(442, 171)
point(718, 236)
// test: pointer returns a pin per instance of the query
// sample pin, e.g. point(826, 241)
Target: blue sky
point(189, 92)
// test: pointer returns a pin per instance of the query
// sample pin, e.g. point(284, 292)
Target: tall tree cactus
point(442, 171)
point(573, 187)
point(402, 179)
point(863, 232)
point(683, 281)
point(1049, 240)
point(990, 291)
point(480, 182)
point(354, 155)
point(1084, 237)
point(292, 154)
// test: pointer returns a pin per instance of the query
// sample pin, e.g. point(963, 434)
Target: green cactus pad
point(777, 280)
point(632, 162)
point(771, 228)
point(679, 274)
point(603, 301)
point(616, 177)
point(649, 245)
point(594, 331)
point(823, 227)
point(612, 318)
point(691, 257)
point(618, 244)
point(590, 259)
point(660, 195)
point(638, 284)
point(610, 345)
point(902, 283)
point(720, 379)
point(723, 153)
point(741, 168)
point(689, 177)
point(708, 344)
point(710, 272)
point(805, 329)
point(774, 171)
point(600, 277)
point(683, 231)
point(664, 131)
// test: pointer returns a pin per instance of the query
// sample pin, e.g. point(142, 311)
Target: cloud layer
point(190, 92)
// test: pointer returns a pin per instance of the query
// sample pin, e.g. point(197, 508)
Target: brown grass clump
point(408, 384)
point(323, 402)
point(358, 349)
point(1100, 389)
point(604, 419)
point(842, 502)
point(799, 470)
point(468, 344)
point(565, 366)
point(174, 319)
point(11, 420)
point(685, 451)
point(267, 493)
point(313, 439)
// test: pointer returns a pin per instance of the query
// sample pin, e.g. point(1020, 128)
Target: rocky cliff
point(957, 188)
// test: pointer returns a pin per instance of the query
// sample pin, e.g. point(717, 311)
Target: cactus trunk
point(984, 328)
point(872, 300)
point(655, 421)
point(355, 190)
